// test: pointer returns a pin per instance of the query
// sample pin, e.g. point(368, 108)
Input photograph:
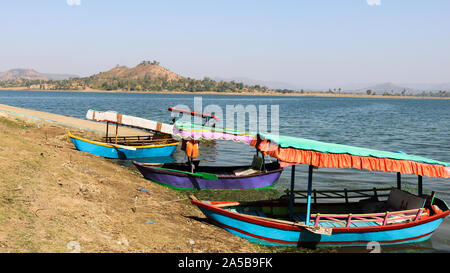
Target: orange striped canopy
point(292, 151)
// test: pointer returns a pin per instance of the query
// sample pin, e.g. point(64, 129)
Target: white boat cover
point(127, 120)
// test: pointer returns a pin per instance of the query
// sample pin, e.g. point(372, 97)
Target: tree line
point(184, 84)
point(142, 84)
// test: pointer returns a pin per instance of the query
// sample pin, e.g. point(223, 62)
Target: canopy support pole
point(420, 185)
point(308, 202)
point(291, 194)
point(263, 163)
point(107, 129)
point(117, 131)
point(399, 181)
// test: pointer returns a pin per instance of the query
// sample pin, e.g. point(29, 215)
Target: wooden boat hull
point(279, 234)
point(106, 150)
point(183, 181)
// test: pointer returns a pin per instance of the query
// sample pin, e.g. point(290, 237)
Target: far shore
point(269, 93)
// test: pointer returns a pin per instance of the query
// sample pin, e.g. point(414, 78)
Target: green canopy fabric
point(324, 147)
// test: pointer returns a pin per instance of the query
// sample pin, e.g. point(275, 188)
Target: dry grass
point(52, 194)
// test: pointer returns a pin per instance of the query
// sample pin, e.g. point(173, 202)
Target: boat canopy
point(293, 150)
point(192, 113)
point(190, 131)
point(117, 118)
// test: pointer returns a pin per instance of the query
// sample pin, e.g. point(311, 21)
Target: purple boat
point(180, 177)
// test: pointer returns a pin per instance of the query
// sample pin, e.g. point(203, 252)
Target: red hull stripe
point(295, 242)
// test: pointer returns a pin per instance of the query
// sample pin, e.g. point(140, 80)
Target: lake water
point(414, 126)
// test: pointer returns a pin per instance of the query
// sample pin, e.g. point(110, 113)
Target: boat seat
point(257, 165)
point(372, 205)
point(398, 200)
point(402, 200)
point(245, 171)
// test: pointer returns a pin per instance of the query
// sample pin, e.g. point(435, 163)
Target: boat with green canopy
point(387, 215)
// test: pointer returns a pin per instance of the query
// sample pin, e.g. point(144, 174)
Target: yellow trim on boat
point(110, 146)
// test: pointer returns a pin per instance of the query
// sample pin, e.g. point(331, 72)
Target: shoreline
point(275, 94)
point(66, 121)
point(55, 196)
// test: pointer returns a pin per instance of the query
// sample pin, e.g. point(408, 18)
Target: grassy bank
point(53, 198)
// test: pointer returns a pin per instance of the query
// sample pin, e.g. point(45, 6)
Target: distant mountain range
point(152, 70)
point(429, 86)
point(386, 87)
point(389, 87)
point(409, 88)
point(31, 74)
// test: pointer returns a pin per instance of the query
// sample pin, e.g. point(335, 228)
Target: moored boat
point(269, 223)
point(158, 143)
point(179, 176)
point(193, 176)
point(390, 217)
point(127, 147)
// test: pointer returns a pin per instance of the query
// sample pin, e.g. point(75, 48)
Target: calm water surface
point(420, 127)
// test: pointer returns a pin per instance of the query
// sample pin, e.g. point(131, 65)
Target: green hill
point(146, 76)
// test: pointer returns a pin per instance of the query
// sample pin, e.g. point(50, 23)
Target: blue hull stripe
point(110, 152)
point(279, 237)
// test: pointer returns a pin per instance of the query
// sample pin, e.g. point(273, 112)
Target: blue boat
point(268, 223)
point(126, 148)
point(386, 216)
point(157, 144)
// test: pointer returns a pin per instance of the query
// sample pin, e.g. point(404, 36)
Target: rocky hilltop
point(144, 70)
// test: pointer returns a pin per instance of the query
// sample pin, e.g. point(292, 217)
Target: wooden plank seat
point(143, 143)
point(137, 140)
point(146, 137)
point(398, 200)
point(113, 138)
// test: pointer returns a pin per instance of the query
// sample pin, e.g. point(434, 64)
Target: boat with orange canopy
point(387, 216)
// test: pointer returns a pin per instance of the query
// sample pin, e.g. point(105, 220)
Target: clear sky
point(307, 43)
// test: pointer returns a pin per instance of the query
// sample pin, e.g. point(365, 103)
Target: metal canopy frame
point(308, 198)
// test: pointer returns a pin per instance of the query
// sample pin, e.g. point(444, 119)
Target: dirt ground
point(54, 198)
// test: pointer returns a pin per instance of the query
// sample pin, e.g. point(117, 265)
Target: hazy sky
point(308, 43)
